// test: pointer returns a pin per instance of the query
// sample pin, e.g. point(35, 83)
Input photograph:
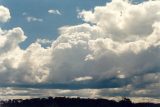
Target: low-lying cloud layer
point(117, 46)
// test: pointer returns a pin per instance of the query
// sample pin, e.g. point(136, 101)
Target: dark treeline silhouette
point(72, 102)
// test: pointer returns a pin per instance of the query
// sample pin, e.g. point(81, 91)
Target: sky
point(85, 48)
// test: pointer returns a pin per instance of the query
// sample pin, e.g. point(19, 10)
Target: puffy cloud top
point(4, 14)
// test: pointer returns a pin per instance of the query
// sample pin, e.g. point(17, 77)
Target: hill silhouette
point(72, 102)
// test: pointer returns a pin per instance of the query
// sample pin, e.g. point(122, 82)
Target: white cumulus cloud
point(4, 14)
point(117, 46)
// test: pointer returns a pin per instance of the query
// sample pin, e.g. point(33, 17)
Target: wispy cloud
point(52, 11)
point(44, 41)
point(24, 13)
point(33, 19)
point(85, 78)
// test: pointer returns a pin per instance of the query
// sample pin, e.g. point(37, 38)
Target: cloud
point(117, 46)
point(24, 13)
point(4, 14)
point(34, 19)
point(86, 78)
point(9, 93)
point(44, 41)
point(11, 39)
point(52, 11)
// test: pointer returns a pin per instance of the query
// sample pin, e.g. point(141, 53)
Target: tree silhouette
point(73, 102)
